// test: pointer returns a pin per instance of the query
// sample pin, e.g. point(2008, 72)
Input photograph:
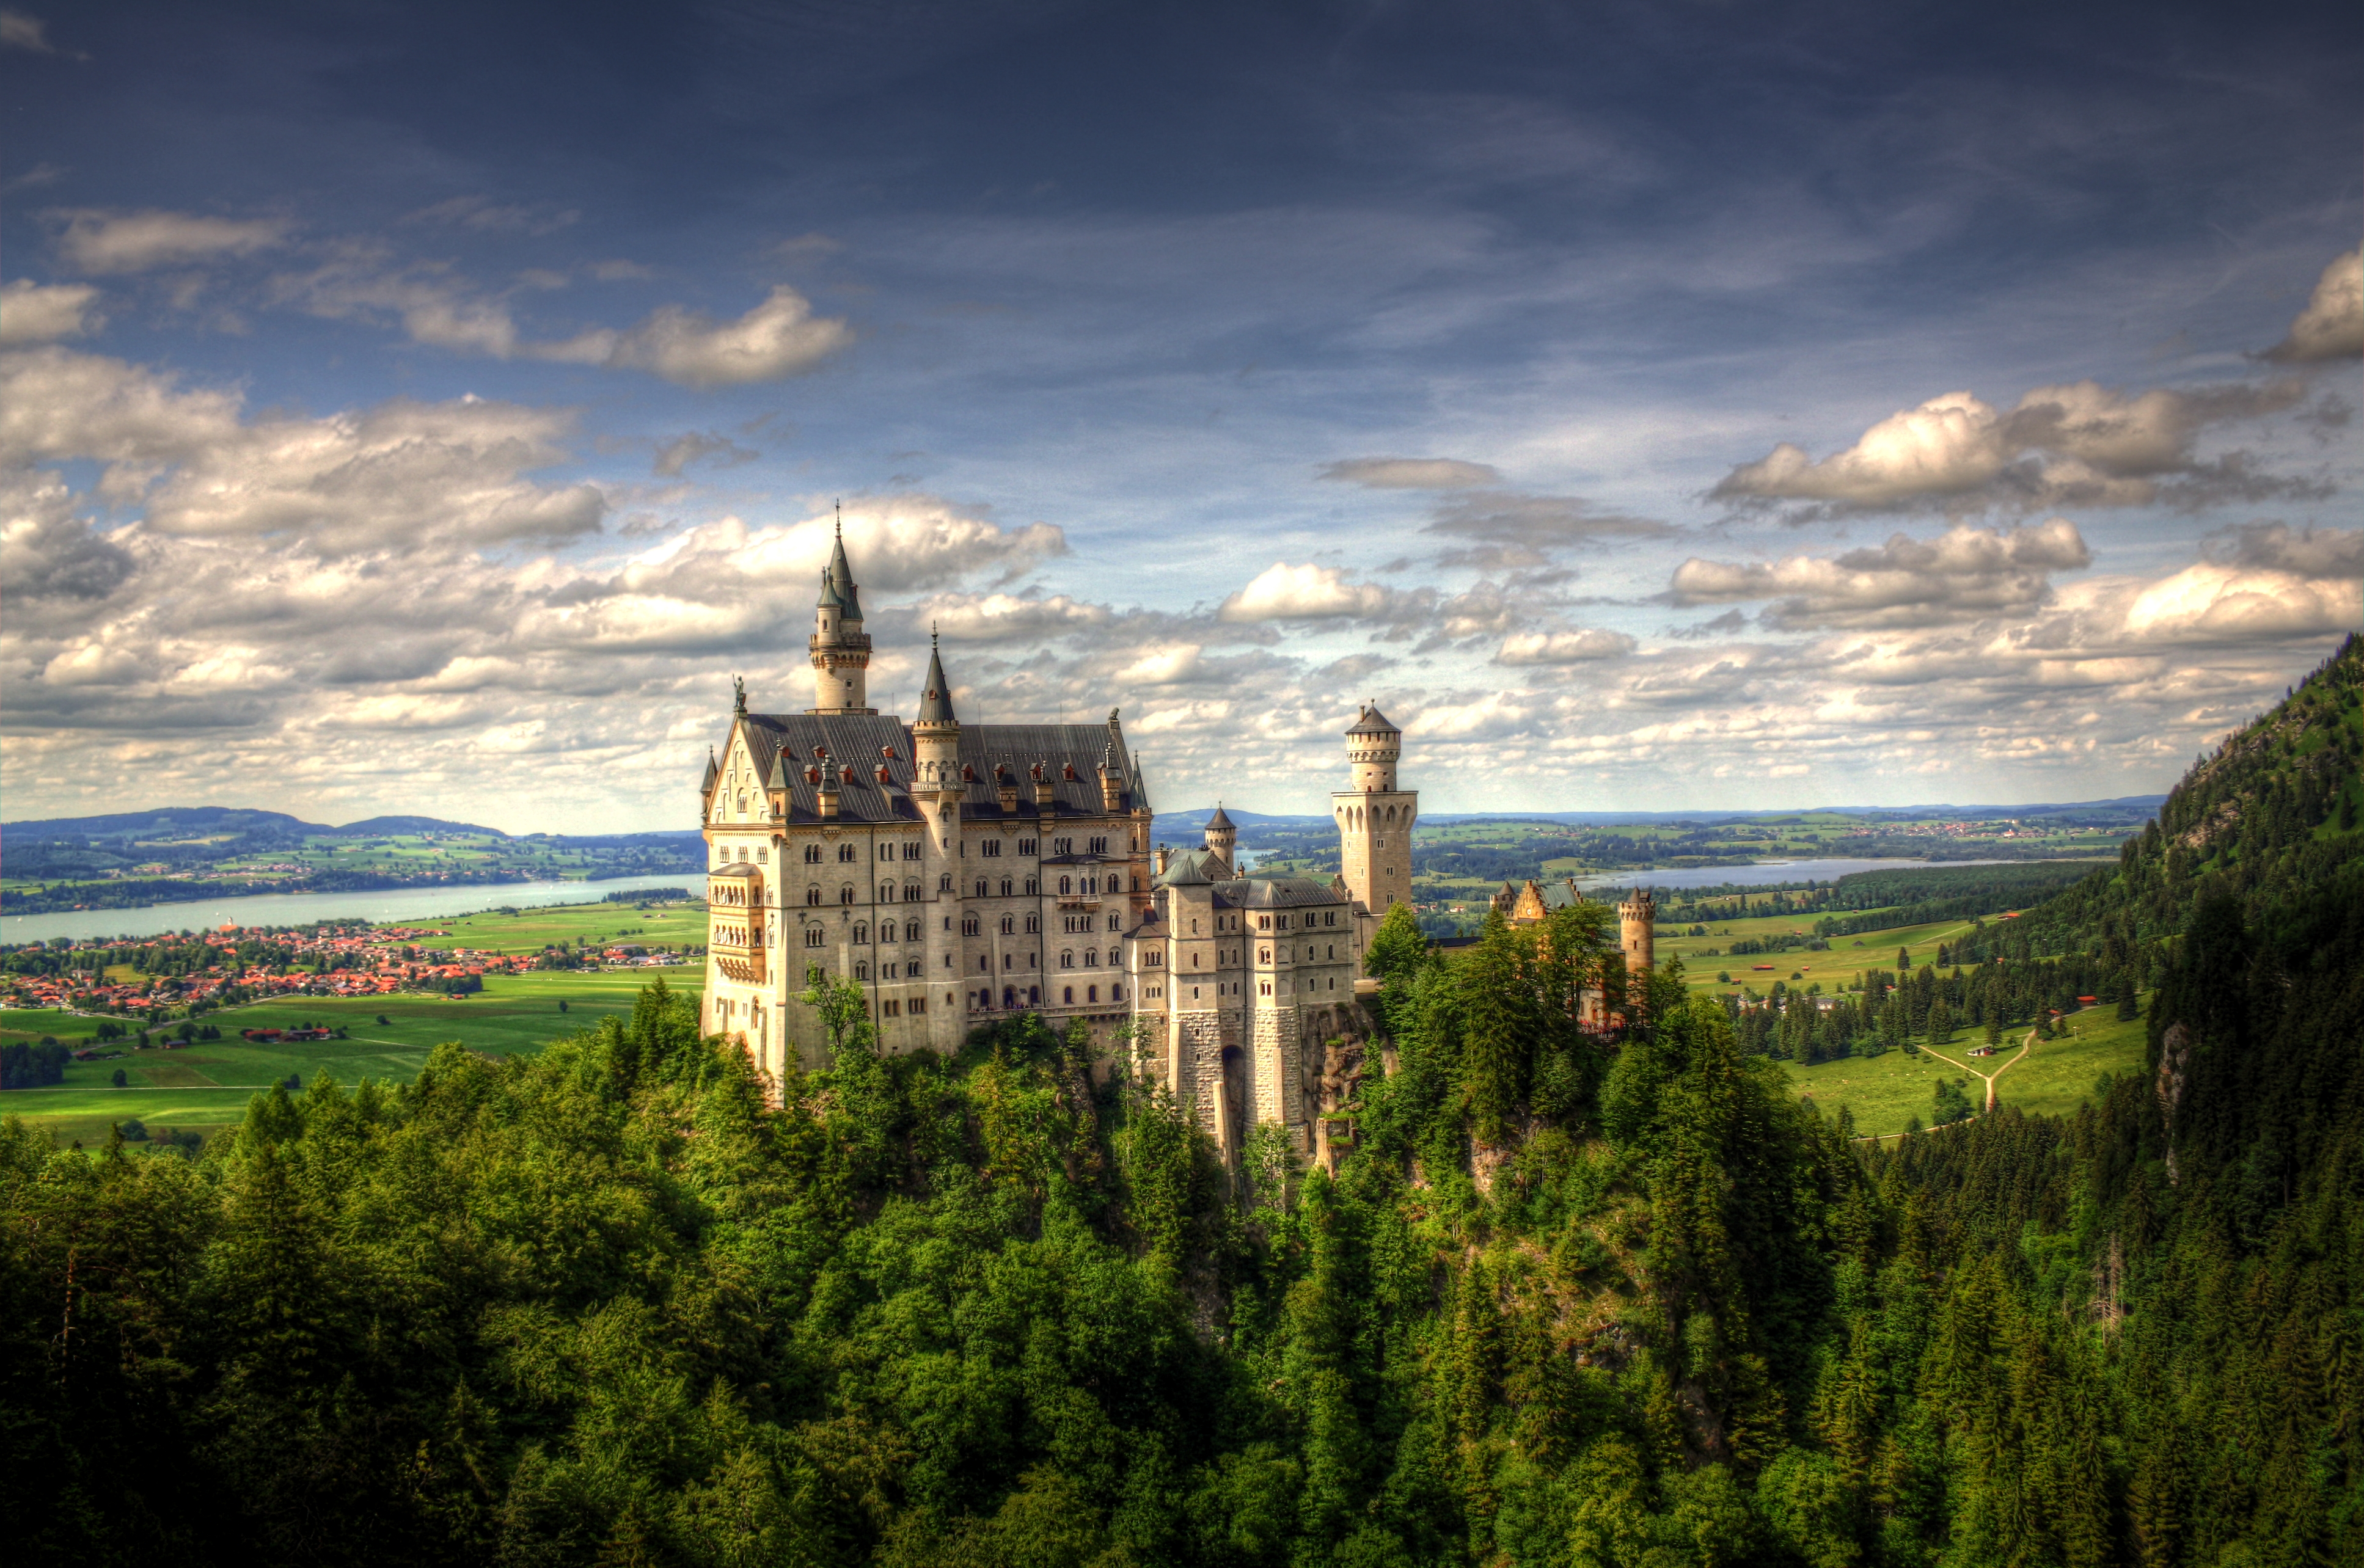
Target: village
point(328, 961)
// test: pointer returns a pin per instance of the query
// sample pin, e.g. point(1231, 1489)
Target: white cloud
point(97, 243)
point(1575, 647)
point(699, 446)
point(1411, 473)
point(2078, 444)
point(1304, 592)
point(1002, 618)
point(18, 30)
point(2211, 603)
point(1964, 572)
point(2332, 325)
point(779, 338)
point(35, 313)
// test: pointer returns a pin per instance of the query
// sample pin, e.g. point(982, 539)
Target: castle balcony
point(734, 887)
point(1079, 900)
point(735, 940)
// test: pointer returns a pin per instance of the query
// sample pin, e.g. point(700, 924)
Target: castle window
point(1008, 925)
point(1100, 846)
point(911, 932)
point(1063, 846)
point(1067, 995)
point(812, 896)
point(920, 1004)
point(1091, 958)
point(1091, 885)
point(1116, 993)
point(891, 1009)
point(984, 888)
point(861, 932)
point(991, 850)
point(845, 853)
point(812, 854)
point(1027, 846)
point(762, 854)
point(944, 883)
point(861, 972)
point(846, 894)
point(1033, 887)
point(885, 892)
point(910, 851)
point(1005, 887)
point(1067, 959)
point(970, 927)
point(1033, 995)
point(1264, 922)
point(911, 893)
point(1067, 884)
point(1034, 924)
point(1112, 926)
point(1330, 918)
point(885, 851)
point(912, 969)
point(1092, 993)
point(812, 935)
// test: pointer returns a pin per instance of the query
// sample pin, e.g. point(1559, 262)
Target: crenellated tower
point(1637, 921)
point(840, 649)
point(1374, 818)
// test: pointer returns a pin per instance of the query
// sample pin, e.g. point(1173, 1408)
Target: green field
point(1886, 1091)
point(206, 1086)
point(1848, 955)
point(676, 924)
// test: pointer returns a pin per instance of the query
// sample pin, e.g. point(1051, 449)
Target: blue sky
point(429, 408)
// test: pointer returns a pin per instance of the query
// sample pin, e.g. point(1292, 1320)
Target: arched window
point(1067, 996)
point(812, 896)
point(861, 972)
point(1067, 884)
point(1008, 926)
point(1033, 887)
point(845, 853)
point(845, 894)
point(984, 888)
point(862, 933)
point(911, 893)
point(1005, 887)
point(1009, 995)
point(812, 854)
point(1116, 993)
point(1091, 958)
point(885, 892)
point(911, 930)
point(1092, 993)
point(812, 935)
point(944, 883)
point(1067, 959)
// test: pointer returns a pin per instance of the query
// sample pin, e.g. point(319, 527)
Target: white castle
point(962, 872)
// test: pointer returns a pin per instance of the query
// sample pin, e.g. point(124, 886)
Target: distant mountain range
point(207, 820)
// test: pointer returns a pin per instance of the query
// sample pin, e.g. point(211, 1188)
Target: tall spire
point(840, 649)
point(936, 698)
point(837, 583)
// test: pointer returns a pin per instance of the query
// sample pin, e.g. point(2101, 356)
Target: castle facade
point(962, 872)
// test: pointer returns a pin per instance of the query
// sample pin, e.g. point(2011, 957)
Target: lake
point(403, 904)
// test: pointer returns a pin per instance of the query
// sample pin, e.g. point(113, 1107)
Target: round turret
point(1221, 836)
point(1373, 747)
point(839, 647)
point(1637, 920)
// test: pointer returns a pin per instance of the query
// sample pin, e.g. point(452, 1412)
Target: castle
point(963, 873)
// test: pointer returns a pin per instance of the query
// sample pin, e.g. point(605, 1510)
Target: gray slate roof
point(1373, 722)
point(860, 741)
point(1275, 892)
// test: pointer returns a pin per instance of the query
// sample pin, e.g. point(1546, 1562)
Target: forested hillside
point(1569, 1300)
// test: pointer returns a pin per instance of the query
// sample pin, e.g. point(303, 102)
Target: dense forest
point(1569, 1300)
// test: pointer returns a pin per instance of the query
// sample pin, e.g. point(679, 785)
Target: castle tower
point(840, 649)
point(935, 750)
point(1374, 818)
point(1637, 918)
point(1221, 837)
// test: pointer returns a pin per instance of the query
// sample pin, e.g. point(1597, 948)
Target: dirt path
point(1988, 1078)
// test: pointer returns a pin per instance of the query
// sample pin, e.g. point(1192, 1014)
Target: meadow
point(206, 1085)
point(1883, 1092)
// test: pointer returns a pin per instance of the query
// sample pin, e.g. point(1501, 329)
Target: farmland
point(206, 1086)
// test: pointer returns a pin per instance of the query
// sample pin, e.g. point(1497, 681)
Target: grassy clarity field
point(206, 1085)
point(1885, 1091)
point(1847, 957)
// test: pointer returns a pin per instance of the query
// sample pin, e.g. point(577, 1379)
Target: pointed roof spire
point(837, 583)
point(1219, 823)
point(713, 772)
point(936, 699)
point(779, 779)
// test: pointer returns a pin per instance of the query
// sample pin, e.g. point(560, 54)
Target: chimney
point(1046, 794)
point(1165, 859)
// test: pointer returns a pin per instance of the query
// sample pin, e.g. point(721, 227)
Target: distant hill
point(2133, 808)
point(171, 820)
point(371, 827)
